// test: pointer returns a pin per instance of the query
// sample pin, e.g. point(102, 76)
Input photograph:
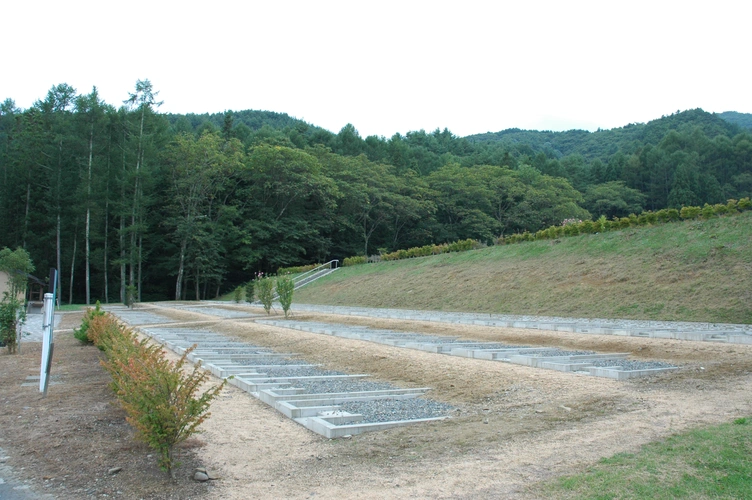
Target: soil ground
point(513, 426)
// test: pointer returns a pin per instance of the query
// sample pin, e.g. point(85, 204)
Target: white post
point(47, 342)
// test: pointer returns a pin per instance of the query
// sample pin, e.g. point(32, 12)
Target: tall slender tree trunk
point(122, 224)
point(72, 267)
point(26, 213)
point(107, 228)
point(59, 264)
point(87, 230)
point(181, 270)
point(140, 249)
point(58, 229)
point(137, 199)
point(122, 259)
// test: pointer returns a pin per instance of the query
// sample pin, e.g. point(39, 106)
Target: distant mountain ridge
point(604, 143)
point(744, 120)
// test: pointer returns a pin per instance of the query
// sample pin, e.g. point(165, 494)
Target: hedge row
point(296, 269)
point(569, 228)
point(648, 218)
point(158, 396)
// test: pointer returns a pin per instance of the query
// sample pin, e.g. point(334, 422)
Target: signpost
point(48, 323)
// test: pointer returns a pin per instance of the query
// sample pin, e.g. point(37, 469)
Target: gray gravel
point(389, 410)
point(269, 360)
point(302, 371)
point(627, 364)
point(343, 385)
point(544, 353)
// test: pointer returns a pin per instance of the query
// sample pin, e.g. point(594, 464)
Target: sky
point(392, 66)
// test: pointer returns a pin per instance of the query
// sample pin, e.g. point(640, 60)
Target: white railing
point(317, 272)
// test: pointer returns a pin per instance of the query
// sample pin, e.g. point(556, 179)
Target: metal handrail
point(332, 264)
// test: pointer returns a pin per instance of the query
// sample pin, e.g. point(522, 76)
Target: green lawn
point(714, 462)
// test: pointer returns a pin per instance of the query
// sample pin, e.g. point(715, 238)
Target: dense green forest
point(191, 205)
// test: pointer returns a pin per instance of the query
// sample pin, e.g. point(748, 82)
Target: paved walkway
point(32, 329)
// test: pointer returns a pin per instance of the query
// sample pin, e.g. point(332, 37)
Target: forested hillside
point(190, 205)
point(743, 120)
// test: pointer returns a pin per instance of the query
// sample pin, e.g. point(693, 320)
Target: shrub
point(265, 292)
point(12, 315)
point(296, 269)
point(690, 212)
point(249, 293)
point(285, 289)
point(707, 212)
point(354, 261)
point(237, 295)
point(721, 209)
point(159, 396)
point(82, 333)
point(744, 204)
point(161, 401)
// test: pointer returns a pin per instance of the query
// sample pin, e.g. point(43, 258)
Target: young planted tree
point(249, 291)
point(285, 289)
point(265, 292)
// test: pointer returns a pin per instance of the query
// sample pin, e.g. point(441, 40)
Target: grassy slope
point(692, 271)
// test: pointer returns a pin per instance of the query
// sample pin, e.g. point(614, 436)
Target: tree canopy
point(188, 206)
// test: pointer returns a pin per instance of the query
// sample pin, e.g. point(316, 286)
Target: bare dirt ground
point(514, 426)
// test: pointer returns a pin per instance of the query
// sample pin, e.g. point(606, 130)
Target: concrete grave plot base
point(213, 310)
point(609, 365)
point(138, 317)
point(330, 403)
point(679, 330)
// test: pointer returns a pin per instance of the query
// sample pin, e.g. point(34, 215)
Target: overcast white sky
point(392, 66)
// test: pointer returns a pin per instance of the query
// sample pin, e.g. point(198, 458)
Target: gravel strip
point(343, 385)
point(302, 371)
point(389, 410)
point(482, 346)
point(270, 360)
point(629, 365)
point(544, 353)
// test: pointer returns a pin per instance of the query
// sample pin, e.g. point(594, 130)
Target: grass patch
point(72, 307)
point(713, 462)
point(690, 271)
